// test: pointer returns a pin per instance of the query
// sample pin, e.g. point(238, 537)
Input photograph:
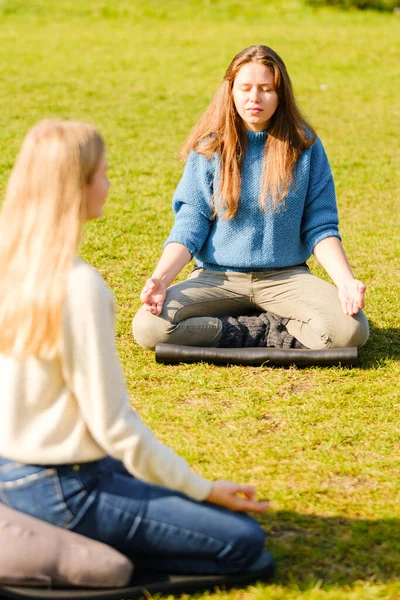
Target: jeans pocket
point(35, 490)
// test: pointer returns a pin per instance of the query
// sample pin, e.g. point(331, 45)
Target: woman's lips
point(254, 110)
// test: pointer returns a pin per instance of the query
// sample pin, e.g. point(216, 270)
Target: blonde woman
point(72, 451)
point(256, 199)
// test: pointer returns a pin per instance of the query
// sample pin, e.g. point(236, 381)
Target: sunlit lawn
point(321, 444)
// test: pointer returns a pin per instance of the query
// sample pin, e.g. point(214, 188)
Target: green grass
point(322, 444)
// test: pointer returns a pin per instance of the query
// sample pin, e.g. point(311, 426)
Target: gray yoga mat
point(277, 357)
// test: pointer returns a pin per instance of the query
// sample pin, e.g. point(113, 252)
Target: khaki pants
point(192, 307)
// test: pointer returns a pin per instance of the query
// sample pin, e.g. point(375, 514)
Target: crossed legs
point(192, 307)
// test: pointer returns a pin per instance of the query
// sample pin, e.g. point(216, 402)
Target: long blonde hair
point(41, 224)
point(221, 130)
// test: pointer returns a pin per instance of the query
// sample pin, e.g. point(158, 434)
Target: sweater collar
point(257, 137)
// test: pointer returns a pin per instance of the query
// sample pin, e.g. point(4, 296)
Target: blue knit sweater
point(255, 239)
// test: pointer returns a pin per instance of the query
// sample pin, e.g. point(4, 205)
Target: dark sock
point(277, 336)
point(231, 336)
point(253, 331)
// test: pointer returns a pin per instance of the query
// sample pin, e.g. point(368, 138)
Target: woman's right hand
point(236, 497)
point(173, 259)
point(153, 295)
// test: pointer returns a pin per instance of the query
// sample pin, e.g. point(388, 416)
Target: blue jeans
point(156, 527)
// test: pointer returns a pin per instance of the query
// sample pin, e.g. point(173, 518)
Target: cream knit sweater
point(75, 408)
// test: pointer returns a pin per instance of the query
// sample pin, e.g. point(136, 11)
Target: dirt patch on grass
point(269, 423)
point(297, 387)
point(349, 483)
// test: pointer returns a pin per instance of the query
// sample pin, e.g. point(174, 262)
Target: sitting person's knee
point(248, 542)
point(148, 330)
point(342, 332)
point(361, 333)
point(350, 331)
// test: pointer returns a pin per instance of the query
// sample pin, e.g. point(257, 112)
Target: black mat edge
point(174, 585)
point(172, 354)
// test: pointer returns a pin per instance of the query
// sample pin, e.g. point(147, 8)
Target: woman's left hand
point(236, 497)
point(351, 295)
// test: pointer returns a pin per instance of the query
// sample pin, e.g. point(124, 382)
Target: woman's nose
point(254, 97)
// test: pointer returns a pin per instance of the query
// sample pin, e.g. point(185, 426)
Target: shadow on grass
point(383, 344)
point(334, 551)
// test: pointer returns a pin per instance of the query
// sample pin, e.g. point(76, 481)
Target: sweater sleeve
point(97, 383)
point(320, 218)
point(192, 204)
